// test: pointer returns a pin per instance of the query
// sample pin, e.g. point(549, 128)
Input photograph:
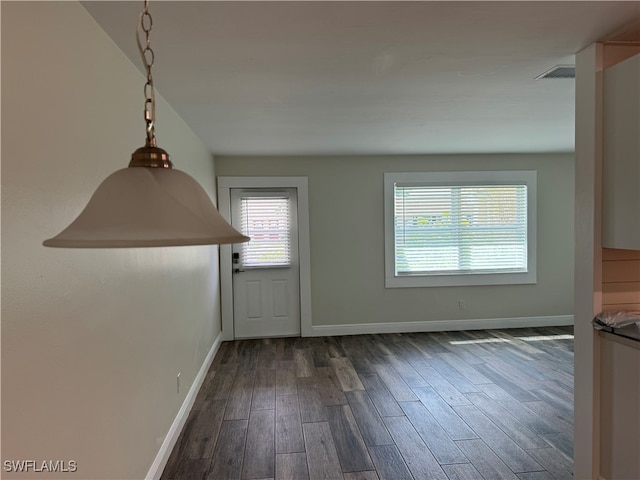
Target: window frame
point(502, 177)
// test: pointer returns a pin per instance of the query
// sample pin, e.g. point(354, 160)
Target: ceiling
point(362, 78)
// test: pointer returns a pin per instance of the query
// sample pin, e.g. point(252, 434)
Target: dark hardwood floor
point(492, 404)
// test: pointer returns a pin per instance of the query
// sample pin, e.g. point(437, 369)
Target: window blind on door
point(266, 220)
point(458, 229)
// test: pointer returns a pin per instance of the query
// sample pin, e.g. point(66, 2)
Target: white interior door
point(266, 271)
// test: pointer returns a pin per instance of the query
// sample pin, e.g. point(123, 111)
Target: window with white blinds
point(451, 227)
point(266, 220)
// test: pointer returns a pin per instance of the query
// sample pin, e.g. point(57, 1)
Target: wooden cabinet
point(621, 155)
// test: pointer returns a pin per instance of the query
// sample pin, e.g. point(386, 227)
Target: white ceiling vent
point(559, 71)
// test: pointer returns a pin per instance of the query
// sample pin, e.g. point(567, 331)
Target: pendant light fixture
point(148, 204)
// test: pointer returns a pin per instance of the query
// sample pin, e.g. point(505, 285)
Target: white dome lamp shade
point(148, 204)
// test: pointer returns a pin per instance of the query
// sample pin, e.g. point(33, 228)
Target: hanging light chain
point(143, 37)
point(150, 156)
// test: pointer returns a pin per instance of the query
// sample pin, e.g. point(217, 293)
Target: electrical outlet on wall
point(462, 304)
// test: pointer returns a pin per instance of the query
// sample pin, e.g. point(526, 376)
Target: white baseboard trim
point(171, 438)
point(440, 325)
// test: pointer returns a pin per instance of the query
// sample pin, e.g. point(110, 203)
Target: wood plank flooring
point(491, 404)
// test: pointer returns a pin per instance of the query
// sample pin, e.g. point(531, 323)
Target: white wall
point(588, 260)
point(347, 239)
point(92, 340)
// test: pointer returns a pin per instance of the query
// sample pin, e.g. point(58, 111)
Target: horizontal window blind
point(266, 220)
point(457, 229)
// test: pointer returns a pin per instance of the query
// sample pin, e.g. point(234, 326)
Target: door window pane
point(266, 220)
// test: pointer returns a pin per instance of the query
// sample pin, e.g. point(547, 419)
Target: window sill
point(469, 279)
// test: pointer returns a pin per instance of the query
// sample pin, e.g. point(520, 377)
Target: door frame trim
point(301, 184)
